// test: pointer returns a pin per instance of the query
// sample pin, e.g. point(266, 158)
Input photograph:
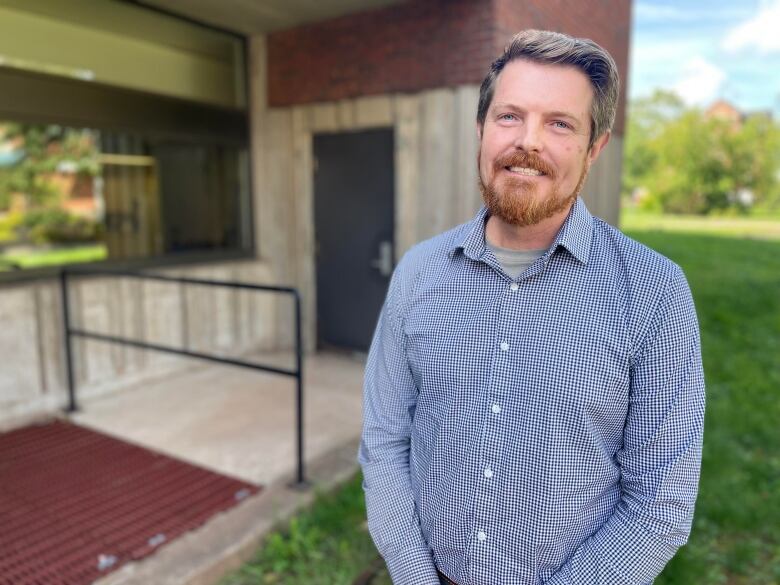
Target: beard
point(517, 201)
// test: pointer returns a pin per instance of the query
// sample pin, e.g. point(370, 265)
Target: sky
point(706, 50)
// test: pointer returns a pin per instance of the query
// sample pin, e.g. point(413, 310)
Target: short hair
point(547, 47)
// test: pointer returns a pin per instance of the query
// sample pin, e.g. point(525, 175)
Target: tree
point(755, 152)
point(647, 117)
point(689, 162)
point(44, 148)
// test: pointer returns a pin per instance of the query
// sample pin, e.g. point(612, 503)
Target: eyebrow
point(554, 114)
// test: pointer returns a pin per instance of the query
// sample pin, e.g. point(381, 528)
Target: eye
point(562, 125)
point(507, 117)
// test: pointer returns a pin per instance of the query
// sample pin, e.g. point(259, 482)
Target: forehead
point(542, 87)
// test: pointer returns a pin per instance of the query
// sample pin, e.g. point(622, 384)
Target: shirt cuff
point(413, 566)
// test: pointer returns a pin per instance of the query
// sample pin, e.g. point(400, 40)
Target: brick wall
point(425, 44)
point(413, 46)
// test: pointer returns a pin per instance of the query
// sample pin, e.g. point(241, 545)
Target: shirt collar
point(473, 244)
point(575, 234)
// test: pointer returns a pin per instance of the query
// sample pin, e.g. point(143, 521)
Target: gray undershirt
point(515, 262)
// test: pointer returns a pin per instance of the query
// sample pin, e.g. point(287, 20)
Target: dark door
point(353, 214)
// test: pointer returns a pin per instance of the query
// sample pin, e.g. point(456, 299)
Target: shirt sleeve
point(389, 401)
point(660, 457)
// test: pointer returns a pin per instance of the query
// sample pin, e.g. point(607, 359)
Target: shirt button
point(488, 473)
point(481, 536)
point(504, 346)
point(514, 286)
point(495, 408)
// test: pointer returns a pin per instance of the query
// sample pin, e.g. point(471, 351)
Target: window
point(122, 137)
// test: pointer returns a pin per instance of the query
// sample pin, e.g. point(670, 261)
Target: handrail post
point(72, 405)
point(300, 481)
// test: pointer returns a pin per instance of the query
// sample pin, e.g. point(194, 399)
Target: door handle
point(384, 262)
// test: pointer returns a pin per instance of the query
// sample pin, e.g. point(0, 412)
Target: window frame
point(151, 115)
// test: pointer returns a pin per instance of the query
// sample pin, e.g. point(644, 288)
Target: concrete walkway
point(240, 423)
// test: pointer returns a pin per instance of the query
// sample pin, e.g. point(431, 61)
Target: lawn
point(54, 256)
point(736, 535)
point(761, 228)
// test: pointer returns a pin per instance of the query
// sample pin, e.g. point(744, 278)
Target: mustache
point(528, 160)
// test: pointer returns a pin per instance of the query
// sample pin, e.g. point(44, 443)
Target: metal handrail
point(297, 373)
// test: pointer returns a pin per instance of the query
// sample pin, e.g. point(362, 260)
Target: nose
point(529, 137)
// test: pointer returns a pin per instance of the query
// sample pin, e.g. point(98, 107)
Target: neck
point(525, 237)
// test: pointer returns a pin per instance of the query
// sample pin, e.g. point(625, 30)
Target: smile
point(525, 171)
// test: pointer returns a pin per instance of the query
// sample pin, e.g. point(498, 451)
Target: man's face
point(534, 155)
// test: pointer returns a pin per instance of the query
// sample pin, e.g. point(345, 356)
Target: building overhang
point(262, 16)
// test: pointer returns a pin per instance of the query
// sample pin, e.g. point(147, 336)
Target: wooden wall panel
point(602, 188)
point(437, 163)
point(407, 166)
point(467, 193)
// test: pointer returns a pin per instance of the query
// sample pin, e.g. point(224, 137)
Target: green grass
point(326, 544)
point(760, 228)
point(55, 256)
point(736, 535)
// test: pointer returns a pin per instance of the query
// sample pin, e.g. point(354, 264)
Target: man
point(534, 396)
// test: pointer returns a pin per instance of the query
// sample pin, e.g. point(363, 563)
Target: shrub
point(9, 226)
point(57, 226)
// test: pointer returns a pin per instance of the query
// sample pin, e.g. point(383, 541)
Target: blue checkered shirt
point(546, 429)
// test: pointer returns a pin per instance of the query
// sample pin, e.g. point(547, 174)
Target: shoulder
point(425, 261)
point(430, 255)
point(642, 270)
point(653, 287)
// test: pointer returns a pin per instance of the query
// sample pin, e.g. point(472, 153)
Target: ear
point(598, 146)
point(479, 132)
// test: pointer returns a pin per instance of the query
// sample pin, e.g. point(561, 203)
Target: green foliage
point(57, 226)
point(687, 162)
point(755, 152)
point(646, 119)
point(9, 226)
point(327, 544)
point(44, 149)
